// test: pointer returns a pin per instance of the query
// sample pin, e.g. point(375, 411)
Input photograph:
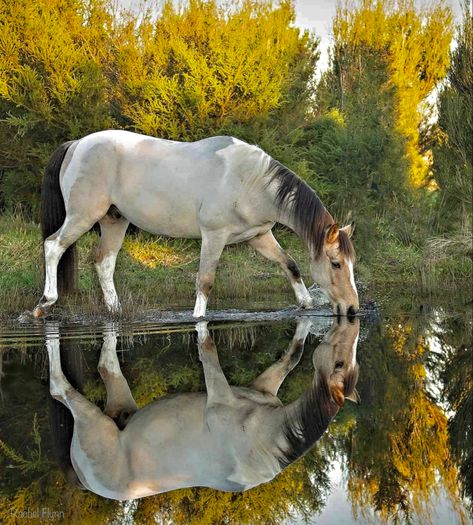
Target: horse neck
point(297, 206)
point(307, 234)
point(305, 420)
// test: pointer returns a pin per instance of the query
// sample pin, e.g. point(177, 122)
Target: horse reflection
point(229, 438)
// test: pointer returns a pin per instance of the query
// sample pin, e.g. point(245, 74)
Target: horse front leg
point(269, 247)
point(212, 246)
point(272, 378)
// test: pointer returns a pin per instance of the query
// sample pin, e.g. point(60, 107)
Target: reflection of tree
point(455, 338)
point(300, 489)
point(398, 451)
point(396, 441)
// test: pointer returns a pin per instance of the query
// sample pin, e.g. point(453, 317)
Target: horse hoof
point(39, 312)
point(307, 305)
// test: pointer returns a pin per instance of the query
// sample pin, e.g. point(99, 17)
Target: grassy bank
point(160, 273)
point(151, 272)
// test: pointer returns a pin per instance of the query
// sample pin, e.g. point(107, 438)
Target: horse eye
point(339, 364)
point(335, 264)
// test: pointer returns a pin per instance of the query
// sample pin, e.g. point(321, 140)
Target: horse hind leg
point(62, 390)
point(120, 404)
point(54, 247)
point(96, 438)
point(53, 251)
point(112, 232)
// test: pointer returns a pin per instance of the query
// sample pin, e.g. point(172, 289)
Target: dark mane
point(316, 410)
point(309, 214)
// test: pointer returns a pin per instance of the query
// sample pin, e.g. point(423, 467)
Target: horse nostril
point(351, 311)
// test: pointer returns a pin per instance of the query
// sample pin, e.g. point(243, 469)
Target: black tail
point(53, 213)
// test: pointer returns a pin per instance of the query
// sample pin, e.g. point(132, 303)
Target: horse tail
point(53, 214)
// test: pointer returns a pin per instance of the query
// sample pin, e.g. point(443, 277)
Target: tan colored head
point(335, 360)
point(332, 269)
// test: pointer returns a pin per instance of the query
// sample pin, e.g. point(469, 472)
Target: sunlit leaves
point(70, 68)
point(198, 68)
point(414, 44)
point(398, 472)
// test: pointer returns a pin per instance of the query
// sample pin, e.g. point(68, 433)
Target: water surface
point(402, 453)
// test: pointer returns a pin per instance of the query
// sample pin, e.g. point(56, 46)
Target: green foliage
point(453, 156)
point(70, 68)
point(34, 460)
point(365, 142)
point(412, 43)
point(449, 254)
point(355, 147)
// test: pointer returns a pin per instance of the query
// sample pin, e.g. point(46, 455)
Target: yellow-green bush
point(414, 45)
point(71, 67)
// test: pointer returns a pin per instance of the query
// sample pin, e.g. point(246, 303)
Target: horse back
point(168, 187)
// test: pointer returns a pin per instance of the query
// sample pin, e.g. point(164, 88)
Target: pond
point(400, 448)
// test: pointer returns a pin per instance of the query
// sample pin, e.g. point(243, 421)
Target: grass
point(159, 273)
point(151, 272)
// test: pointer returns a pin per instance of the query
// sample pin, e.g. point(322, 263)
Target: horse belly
point(159, 207)
point(162, 218)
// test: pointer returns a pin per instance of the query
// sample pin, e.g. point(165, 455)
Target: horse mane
point(315, 411)
point(309, 214)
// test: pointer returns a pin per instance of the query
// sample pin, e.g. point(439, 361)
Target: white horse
point(219, 189)
point(229, 438)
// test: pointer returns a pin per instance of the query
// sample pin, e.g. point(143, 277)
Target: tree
point(413, 44)
point(453, 156)
point(72, 67)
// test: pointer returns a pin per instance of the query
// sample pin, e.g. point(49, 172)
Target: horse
point(220, 190)
point(227, 438)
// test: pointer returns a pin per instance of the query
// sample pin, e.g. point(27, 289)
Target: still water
point(372, 419)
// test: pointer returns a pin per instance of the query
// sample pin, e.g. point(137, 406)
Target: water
point(403, 452)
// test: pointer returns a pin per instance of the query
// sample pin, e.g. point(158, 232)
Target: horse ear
point(331, 235)
point(349, 229)
point(354, 397)
point(337, 395)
